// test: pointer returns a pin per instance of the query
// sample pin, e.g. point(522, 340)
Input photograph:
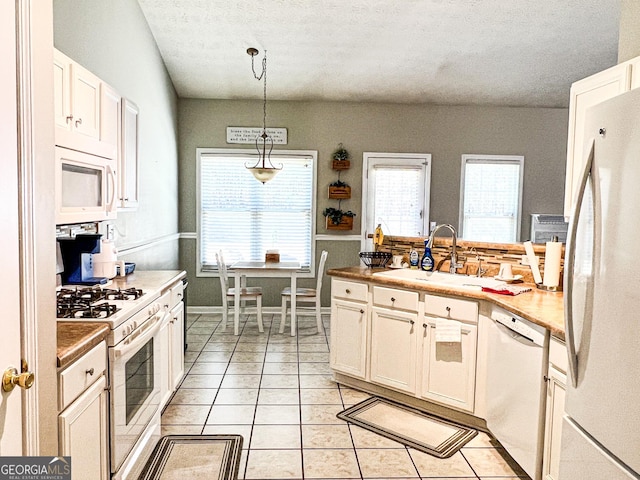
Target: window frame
point(496, 159)
point(252, 156)
point(370, 159)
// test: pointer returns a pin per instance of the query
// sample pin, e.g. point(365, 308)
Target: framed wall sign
point(248, 135)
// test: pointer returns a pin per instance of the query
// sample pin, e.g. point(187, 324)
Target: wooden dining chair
point(228, 295)
point(305, 296)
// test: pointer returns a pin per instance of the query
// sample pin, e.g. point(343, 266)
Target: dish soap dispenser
point(426, 263)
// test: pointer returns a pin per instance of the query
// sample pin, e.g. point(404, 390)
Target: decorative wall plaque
point(248, 135)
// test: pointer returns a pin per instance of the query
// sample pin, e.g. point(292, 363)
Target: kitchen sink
point(441, 278)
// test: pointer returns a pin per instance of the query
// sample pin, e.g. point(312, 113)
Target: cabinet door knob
point(90, 372)
point(412, 322)
point(546, 379)
point(424, 325)
point(361, 311)
point(347, 291)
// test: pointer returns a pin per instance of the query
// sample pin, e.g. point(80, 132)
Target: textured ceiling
point(486, 52)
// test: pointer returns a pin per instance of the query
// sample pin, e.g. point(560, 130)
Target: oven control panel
point(136, 321)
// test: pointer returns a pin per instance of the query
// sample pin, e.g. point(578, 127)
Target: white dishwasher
point(518, 353)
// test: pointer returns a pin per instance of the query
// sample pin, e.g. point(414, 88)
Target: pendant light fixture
point(263, 170)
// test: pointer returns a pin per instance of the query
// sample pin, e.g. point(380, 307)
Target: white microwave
point(85, 187)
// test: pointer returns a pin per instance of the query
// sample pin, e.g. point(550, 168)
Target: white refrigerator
point(601, 427)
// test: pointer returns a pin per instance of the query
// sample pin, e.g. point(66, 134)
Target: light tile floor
point(277, 392)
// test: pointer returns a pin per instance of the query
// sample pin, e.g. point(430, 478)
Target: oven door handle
point(133, 342)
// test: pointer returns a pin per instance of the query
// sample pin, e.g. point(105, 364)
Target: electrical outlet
point(525, 261)
point(107, 230)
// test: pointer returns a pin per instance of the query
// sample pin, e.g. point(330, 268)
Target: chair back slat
point(222, 270)
point(320, 272)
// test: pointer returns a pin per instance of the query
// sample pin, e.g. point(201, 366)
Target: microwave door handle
point(139, 338)
point(569, 265)
point(112, 180)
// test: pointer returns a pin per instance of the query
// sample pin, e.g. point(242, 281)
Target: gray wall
point(112, 40)
point(446, 132)
point(629, 36)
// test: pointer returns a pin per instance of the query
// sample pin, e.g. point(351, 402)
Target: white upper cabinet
point(87, 110)
point(129, 156)
point(586, 93)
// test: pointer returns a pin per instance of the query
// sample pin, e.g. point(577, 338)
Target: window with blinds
point(397, 193)
point(244, 218)
point(491, 197)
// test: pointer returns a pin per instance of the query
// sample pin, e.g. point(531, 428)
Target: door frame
point(34, 58)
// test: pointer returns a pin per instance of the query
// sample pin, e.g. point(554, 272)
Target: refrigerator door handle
point(569, 264)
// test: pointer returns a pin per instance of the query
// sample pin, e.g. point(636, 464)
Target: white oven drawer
point(81, 374)
point(447, 307)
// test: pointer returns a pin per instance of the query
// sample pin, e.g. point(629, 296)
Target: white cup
point(397, 261)
point(505, 271)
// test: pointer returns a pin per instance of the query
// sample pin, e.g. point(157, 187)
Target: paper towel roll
point(552, 257)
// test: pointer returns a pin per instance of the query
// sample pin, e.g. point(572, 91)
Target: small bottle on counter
point(426, 263)
point(378, 236)
point(414, 259)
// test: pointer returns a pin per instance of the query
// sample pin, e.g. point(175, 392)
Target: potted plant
point(338, 219)
point(341, 159)
point(339, 190)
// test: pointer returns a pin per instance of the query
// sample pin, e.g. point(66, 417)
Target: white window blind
point(244, 218)
point(397, 192)
point(491, 198)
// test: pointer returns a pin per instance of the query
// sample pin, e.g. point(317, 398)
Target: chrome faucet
point(454, 255)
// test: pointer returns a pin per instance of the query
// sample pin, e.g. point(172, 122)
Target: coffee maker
point(77, 259)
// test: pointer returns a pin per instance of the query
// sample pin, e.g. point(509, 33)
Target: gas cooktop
point(93, 302)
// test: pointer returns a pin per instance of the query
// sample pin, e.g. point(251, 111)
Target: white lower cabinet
point(171, 339)
point(83, 422)
point(556, 388)
point(449, 368)
point(398, 342)
point(176, 345)
point(394, 349)
point(349, 337)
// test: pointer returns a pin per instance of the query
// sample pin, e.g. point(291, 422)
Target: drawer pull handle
point(448, 309)
point(348, 292)
point(412, 322)
point(424, 325)
point(393, 299)
point(69, 118)
point(78, 122)
point(361, 311)
point(90, 372)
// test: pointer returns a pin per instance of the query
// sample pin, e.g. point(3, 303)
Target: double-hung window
point(491, 198)
point(244, 218)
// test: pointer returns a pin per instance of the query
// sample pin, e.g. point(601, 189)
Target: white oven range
point(134, 367)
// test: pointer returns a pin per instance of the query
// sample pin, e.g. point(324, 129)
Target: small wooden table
point(243, 269)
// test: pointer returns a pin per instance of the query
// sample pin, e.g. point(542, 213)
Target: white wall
point(112, 39)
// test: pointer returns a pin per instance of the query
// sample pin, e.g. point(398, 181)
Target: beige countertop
point(75, 338)
point(540, 307)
